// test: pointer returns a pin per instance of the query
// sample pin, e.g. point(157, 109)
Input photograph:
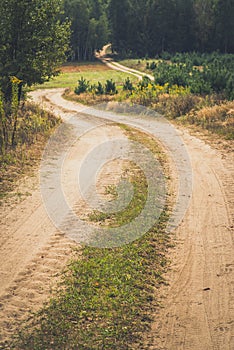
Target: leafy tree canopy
point(33, 41)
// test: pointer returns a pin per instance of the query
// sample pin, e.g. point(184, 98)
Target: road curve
point(198, 305)
point(119, 67)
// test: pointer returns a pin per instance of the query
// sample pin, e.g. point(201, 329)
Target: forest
point(150, 27)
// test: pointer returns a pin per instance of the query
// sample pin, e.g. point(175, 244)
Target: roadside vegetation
point(33, 43)
point(190, 88)
point(107, 296)
point(22, 144)
point(205, 89)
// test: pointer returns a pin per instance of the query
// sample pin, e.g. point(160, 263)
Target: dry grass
point(174, 106)
point(83, 67)
point(34, 129)
point(88, 98)
point(218, 119)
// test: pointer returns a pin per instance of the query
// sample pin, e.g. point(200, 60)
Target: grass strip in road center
point(108, 296)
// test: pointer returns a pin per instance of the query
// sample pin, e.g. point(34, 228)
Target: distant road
point(102, 56)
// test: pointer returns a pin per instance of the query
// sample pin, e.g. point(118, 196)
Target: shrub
point(229, 91)
point(144, 83)
point(203, 73)
point(83, 86)
point(110, 88)
point(165, 55)
point(152, 66)
point(174, 106)
point(99, 90)
point(219, 119)
point(128, 86)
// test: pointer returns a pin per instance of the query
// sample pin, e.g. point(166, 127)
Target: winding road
point(198, 302)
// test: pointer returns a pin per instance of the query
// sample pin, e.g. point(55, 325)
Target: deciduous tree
point(33, 41)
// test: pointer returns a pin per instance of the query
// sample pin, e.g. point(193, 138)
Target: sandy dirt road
point(33, 251)
point(102, 55)
point(198, 303)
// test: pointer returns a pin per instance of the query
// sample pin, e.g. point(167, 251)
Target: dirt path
point(33, 251)
point(198, 304)
point(119, 67)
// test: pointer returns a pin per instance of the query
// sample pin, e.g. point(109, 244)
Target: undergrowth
point(34, 126)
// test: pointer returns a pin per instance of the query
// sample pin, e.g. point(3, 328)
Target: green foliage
point(144, 82)
point(33, 41)
point(203, 74)
point(128, 85)
point(171, 26)
point(175, 74)
point(152, 66)
point(110, 87)
point(83, 86)
point(90, 27)
point(229, 89)
point(9, 115)
point(99, 89)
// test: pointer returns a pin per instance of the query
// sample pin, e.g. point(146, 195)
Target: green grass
point(69, 80)
point(108, 296)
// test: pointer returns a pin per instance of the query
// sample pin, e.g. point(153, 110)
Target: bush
point(128, 86)
point(110, 88)
point(83, 86)
point(203, 73)
point(99, 90)
point(174, 106)
point(152, 66)
point(166, 55)
point(229, 91)
point(217, 119)
point(172, 74)
point(143, 84)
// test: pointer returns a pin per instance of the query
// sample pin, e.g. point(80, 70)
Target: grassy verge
point(210, 114)
point(33, 129)
point(207, 111)
point(108, 296)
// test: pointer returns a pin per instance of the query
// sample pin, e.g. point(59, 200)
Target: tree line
point(149, 27)
point(37, 36)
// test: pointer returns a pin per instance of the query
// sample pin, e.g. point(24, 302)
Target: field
point(93, 72)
